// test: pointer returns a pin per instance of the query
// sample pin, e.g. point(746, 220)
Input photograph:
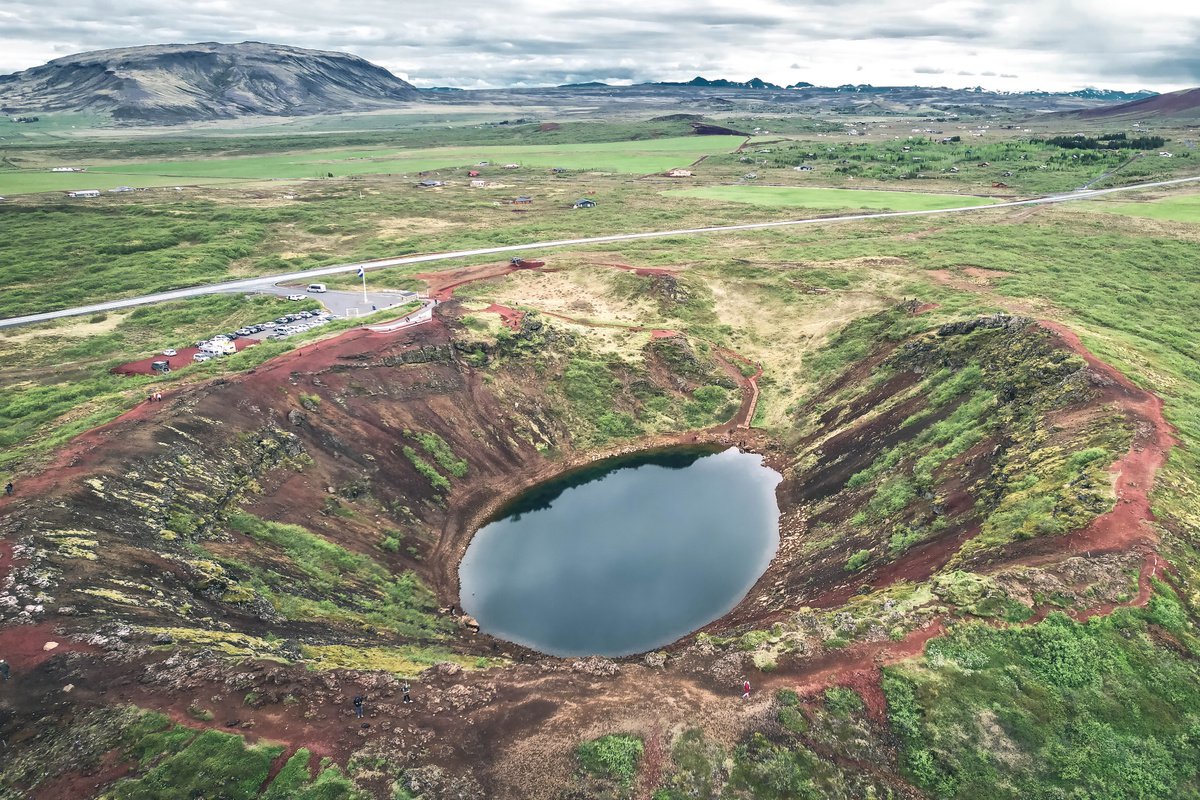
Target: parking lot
point(338, 304)
point(347, 304)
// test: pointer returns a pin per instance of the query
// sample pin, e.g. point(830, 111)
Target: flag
point(361, 273)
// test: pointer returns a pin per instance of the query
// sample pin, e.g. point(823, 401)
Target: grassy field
point(800, 197)
point(636, 157)
point(1174, 208)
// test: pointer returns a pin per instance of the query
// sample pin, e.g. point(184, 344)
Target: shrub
point(614, 757)
point(858, 560)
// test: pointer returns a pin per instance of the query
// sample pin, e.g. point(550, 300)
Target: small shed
point(430, 183)
point(584, 202)
point(473, 173)
point(478, 184)
point(523, 200)
point(679, 173)
point(84, 193)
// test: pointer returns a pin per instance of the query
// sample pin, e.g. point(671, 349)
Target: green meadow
point(632, 157)
point(1181, 208)
point(799, 197)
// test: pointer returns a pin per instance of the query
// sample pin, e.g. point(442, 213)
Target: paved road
point(267, 283)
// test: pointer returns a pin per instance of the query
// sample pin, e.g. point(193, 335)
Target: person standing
point(8, 488)
point(358, 706)
point(746, 690)
point(405, 688)
point(3, 671)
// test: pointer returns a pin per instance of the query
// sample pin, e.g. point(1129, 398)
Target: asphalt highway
point(267, 283)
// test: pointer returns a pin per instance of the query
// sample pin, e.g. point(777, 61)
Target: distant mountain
point(1091, 93)
point(1184, 104)
point(187, 82)
point(722, 83)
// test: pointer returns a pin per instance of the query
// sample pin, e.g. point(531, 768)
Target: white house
point(1165, 154)
point(84, 193)
point(478, 184)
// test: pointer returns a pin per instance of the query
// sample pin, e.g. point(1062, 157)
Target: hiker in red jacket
point(746, 690)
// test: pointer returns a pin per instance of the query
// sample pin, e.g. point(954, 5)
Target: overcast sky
point(999, 44)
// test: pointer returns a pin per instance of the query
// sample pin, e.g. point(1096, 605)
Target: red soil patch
point(23, 646)
point(660, 333)
point(925, 308)
point(184, 358)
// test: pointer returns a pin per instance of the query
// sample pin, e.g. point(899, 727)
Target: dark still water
point(624, 557)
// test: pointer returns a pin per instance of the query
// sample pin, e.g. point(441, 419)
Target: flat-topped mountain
point(188, 82)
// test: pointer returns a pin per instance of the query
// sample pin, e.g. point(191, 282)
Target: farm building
point(429, 183)
point(68, 169)
point(584, 202)
point(478, 184)
point(473, 173)
point(679, 173)
point(85, 193)
point(803, 168)
point(523, 200)
point(512, 166)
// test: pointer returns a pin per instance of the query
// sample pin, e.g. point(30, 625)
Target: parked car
point(297, 297)
point(317, 288)
point(244, 331)
point(160, 366)
point(170, 352)
point(201, 357)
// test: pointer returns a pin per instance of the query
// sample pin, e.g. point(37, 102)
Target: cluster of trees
point(1114, 141)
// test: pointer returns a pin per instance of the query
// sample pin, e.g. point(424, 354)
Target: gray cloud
point(1051, 44)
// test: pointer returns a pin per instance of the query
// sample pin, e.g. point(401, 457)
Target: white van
point(317, 288)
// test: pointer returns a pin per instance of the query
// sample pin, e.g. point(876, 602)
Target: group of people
point(154, 397)
point(360, 699)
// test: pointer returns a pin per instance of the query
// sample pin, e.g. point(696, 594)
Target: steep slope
point(186, 82)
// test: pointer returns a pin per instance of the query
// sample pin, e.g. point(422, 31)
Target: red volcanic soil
point(1125, 526)
point(23, 646)
point(443, 284)
point(176, 362)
